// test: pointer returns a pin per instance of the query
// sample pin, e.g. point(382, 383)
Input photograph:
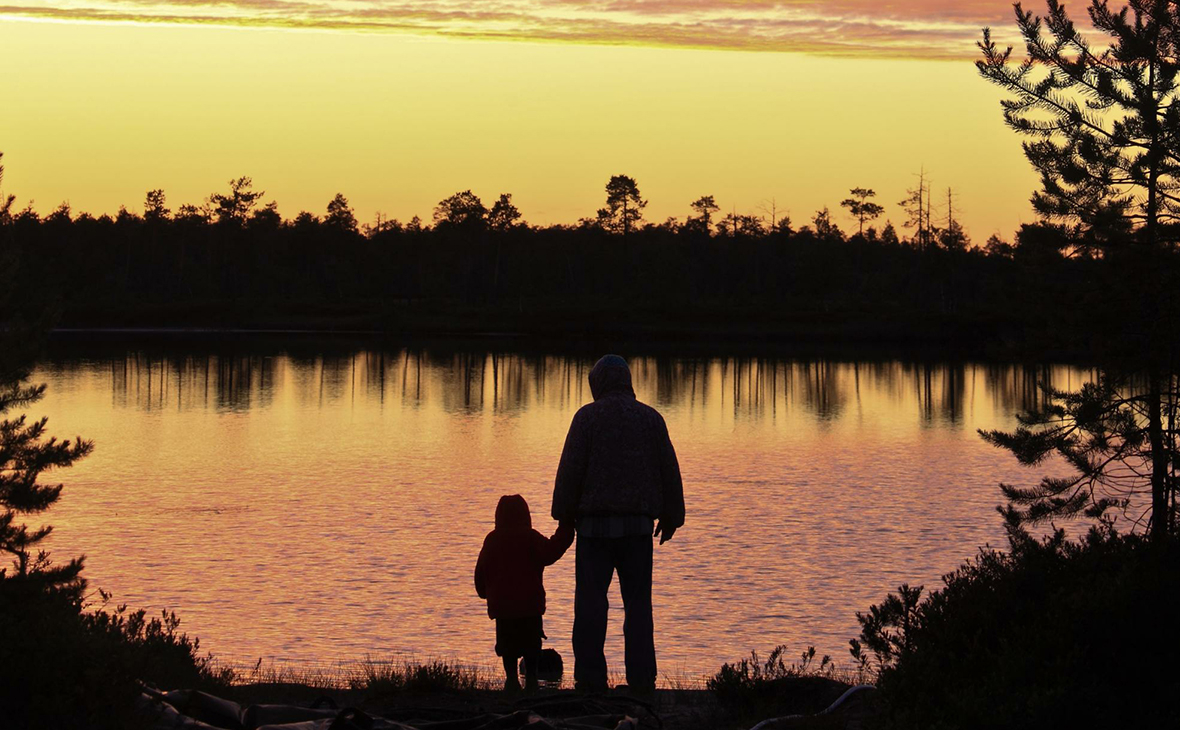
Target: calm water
point(327, 506)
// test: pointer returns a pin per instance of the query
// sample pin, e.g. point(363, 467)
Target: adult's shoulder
point(490, 541)
point(650, 412)
point(586, 412)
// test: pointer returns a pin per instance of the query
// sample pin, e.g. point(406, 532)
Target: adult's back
point(618, 457)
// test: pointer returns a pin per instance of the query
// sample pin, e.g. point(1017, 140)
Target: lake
point(313, 503)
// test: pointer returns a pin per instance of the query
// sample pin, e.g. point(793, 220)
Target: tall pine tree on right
point(1102, 128)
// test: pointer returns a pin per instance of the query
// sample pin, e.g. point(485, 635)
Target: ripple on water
point(333, 506)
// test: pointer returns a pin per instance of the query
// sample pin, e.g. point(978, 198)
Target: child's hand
point(664, 533)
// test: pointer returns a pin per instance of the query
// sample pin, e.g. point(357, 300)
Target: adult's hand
point(664, 533)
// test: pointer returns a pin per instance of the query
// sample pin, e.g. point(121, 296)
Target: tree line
point(234, 261)
point(241, 206)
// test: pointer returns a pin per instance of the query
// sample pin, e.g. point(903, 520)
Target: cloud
point(919, 29)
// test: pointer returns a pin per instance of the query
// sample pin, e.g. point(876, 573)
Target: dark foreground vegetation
point(66, 660)
point(1051, 633)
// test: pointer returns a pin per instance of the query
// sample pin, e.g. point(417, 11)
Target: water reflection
point(323, 504)
point(476, 382)
point(228, 382)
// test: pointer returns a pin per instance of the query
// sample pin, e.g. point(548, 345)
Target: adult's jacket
point(618, 457)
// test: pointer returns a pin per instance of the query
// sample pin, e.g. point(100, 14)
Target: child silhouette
point(509, 574)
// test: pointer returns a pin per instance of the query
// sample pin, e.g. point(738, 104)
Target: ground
point(668, 709)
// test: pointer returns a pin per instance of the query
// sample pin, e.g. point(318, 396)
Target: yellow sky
point(97, 113)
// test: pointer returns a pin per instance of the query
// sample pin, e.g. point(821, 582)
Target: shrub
point(1051, 634)
point(64, 667)
point(756, 687)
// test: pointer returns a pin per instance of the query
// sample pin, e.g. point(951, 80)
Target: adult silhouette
point(619, 482)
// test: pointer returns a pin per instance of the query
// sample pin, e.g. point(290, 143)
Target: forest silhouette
point(233, 262)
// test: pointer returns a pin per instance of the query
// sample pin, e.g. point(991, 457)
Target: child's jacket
point(513, 559)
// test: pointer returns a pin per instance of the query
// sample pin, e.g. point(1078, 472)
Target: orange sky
point(96, 113)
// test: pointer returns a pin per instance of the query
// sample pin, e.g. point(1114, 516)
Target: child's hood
point(512, 513)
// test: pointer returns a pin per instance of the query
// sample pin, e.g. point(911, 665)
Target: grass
point(379, 676)
point(316, 676)
point(392, 677)
point(753, 671)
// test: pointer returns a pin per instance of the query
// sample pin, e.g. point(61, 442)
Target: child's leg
point(513, 679)
point(530, 670)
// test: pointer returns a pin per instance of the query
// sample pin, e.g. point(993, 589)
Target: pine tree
point(1103, 124)
point(624, 206)
point(1104, 129)
point(1103, 431)
point(155, 206)
point(824, 226)
point(26, 453)
point(704, 207)
point(340, 215)
point(861, 208)
point(235, 207)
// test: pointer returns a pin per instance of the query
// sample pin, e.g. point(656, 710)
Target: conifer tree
point(155, 206)
point(704, 207)
point(861, 208)
point(624, 206)
point(824, 226)
point(340, 215)
point(27, 453)
point(235, 207)
point(1104, 129)
point(504, 215)
point(1103, 126)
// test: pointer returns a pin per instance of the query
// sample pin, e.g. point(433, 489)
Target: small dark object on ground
point(550, 666)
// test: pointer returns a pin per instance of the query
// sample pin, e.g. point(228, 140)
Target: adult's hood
point(610, 375)
point(512, 513)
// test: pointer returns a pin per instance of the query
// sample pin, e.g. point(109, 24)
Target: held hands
point(664, 533)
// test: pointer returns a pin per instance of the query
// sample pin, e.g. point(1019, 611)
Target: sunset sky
point(398, 104)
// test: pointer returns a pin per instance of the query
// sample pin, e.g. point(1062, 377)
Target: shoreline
point(810, 699)
point(848, 339)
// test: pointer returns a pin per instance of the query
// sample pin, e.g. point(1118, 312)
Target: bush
point(64, 667)
point(756, 687)
point(1051, 634)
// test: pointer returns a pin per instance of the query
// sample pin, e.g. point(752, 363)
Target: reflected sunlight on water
point(331, 506)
